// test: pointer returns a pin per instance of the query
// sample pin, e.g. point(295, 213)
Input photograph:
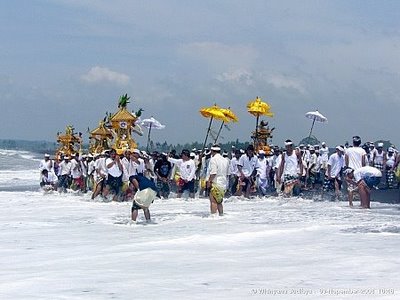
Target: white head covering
point(288, 143)
point(348, 171)
point(340, 148)
point(216, 148)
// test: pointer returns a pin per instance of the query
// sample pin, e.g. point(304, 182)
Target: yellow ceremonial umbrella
point(230, 116)
point(259, 108)
point(212, 112)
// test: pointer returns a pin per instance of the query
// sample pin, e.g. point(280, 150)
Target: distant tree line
point(165, 147)
point(33, 146)
point(51, 147)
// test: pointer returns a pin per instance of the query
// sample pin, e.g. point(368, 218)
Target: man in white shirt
point(76, 173)
point(46, 163)
point(312, 167)
point(114, 179)
point(218, 180)
point(365, 178)
point(136, 164)
point(355, 158)
point(204, 173)
point(247, 169)
point(187, 170)
point(100, 174)
point(262, 173)
point(48, 180)
point(335, 164)
point(125, 165)
point(379, 157)
point(324, 154)
point(290, 169)
point(90, 172)
point(234, 173)
point(64, 173)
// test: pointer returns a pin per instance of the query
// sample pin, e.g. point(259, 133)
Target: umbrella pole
point(219, 131)
point(148, 139)
point(256, 134)
point(208, 131)
point(312, 126)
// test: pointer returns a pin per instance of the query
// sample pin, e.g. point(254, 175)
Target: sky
point(67, 62)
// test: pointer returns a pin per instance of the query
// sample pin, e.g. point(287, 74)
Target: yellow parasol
point(259, 108)
point(230, 116)
point(212, 112)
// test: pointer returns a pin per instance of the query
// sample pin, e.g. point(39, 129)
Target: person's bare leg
point(213, 205)
point(220, 208)
point(134, 214)
point(146, 212)
point(350, 198)
point(337, 190)
point(364, 195)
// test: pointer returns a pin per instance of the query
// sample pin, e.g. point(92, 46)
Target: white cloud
point(237, 76)
point(100, 74)
point(282, 81)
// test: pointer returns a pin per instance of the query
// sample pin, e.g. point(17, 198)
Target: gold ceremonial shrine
point(122, 123)
point(100, 139)
point(262, 133)
point(261, 137)
point(115, 130)
point(69, 143)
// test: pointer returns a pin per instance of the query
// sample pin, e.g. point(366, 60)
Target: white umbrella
point(315, 116)
point(151, 123)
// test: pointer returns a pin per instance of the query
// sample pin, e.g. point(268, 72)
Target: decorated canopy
point(214, 112)
point(69, 142)
point(258, 108)
point(262, 133)
point(100, 138)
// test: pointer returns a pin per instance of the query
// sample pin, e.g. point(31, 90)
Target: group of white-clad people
point(216, 174)
point(361, 166)
point(133, 171)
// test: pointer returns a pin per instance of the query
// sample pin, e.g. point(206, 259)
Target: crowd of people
point(217, 174)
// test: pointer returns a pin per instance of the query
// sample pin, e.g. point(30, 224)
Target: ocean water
point(70, 247)
point(19, 170)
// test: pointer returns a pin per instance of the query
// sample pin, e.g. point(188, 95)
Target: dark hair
point(356, 141)
point(185, 152)
point(250, 147)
